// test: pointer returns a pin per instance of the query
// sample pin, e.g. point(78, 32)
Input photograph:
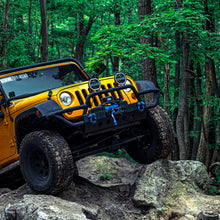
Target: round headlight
point(120, 79)
point(127, 83)
point(65, 98)
point(94, 84)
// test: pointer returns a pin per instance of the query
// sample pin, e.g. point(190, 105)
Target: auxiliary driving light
point(94, 84)
point(120, 79)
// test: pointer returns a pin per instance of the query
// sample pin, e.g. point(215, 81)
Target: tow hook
point(141, 106)
point(92, 118)
point(112, 114)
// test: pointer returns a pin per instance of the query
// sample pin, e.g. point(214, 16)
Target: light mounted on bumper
point(120, 79)
point(94, 84)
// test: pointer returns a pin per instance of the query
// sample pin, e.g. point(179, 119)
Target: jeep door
point(7, 145)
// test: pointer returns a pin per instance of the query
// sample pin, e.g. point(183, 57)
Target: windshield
point(41, 80)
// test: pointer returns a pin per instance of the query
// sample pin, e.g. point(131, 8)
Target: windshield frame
point(38, 67)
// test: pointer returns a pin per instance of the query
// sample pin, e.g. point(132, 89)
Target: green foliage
point(106, 176)
point(108, 172)
point(119, 154)
point(105, 39)
point(215, 185)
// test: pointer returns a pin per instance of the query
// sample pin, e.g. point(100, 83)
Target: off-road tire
point(159, 140)
point(46, 161)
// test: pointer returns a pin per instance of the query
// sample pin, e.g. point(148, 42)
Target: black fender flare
point(146, 86)
point(32, 118)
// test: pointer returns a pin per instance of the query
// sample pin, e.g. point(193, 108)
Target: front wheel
point(46, 161)
point(156, 137)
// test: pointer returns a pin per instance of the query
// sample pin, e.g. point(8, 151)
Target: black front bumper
point(113, 117)
point(108, 116)
point(102, 128)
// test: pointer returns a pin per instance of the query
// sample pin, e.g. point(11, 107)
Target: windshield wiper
point(24, 96)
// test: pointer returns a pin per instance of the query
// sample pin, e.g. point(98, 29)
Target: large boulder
point(43, 207)
point(175, 185)
point(115, 188)
point(110, 172)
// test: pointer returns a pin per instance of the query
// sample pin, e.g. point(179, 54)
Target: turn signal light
point(133, 96)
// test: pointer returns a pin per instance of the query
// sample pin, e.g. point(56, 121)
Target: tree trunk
point(216, 154)
point(29, 28)
point(4, 32)
point(198, 120)
point(177, 68)
point(148, 64)
point(176, 88)
point(82, 34)
point(166, 87)
point(203, 149)
point(183, 101)
point(107, 66)
point(44, 31)
point(115, 65)
point(80, 50)
point(215, 82)
point(177, 81)
point(166, 95)
point(189, 117)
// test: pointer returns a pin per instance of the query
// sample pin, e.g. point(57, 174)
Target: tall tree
point(183, 100)
point(4, 32)
point(115, 66)
point(199, 111)
point(29, 28)
point(148, 64)
point(203, 150)
point(83, 31)
point(44, 31)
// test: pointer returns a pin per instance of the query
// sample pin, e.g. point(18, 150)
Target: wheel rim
point(39, 165)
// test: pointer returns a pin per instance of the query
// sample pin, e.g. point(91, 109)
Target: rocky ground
point(116, 189)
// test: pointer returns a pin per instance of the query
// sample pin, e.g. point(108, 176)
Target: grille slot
point(95, 101)
point(79, 97)
point(118, 92)
point(112, 93)
point(106, 93)
point(84, 93)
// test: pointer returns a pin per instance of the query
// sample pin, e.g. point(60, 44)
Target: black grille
point(95, 101)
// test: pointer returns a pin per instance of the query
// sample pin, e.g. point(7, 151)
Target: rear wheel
point(156, 137)
point(46, 161)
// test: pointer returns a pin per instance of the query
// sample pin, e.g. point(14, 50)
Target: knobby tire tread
point(59, 154)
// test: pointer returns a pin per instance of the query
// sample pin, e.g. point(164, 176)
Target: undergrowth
point(215, 184)
point(119, 154)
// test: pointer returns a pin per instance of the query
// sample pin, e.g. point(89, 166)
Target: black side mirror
point(100, 68)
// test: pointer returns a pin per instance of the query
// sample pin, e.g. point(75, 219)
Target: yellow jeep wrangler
point(54, 113)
